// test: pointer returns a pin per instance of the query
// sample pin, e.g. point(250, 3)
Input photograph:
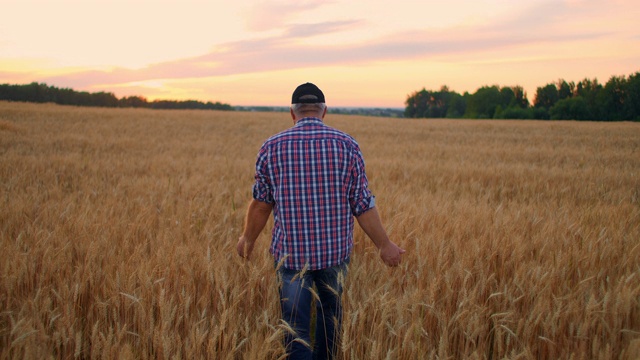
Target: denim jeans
point(296, 296)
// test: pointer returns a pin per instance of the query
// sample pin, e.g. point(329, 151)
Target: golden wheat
point(118, 231)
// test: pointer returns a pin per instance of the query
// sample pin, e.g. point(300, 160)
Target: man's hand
point(391, 254)
point(244, 247)
point(257, 216)
point(370, 222)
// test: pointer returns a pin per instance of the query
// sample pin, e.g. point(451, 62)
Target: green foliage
point(540, 113)
point(519, 98)
point(133, 101)
point(618, 99)
point(433, 104)
point(574, 108)
point(565, 90)
point(546, 96)
point(457, 106)
point(631, 106)
point(515, 112)
point(589, 90)
point(188, 104)
point(41, 93)
point(485, 101)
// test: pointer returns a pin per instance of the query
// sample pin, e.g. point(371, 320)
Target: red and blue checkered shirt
point(315, 178)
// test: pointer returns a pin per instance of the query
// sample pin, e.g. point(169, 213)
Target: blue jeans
point(295, 299)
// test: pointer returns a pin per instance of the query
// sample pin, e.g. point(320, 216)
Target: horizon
point(361, 54)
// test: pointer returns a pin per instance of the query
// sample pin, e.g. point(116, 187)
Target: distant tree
point(618, 99)
point(565, 89)
point(457, 105)
point(484, 102)
point(589, 90)
point(438, 103)
point(65, 96)
point(520, 98)
point(416, 104)
point(188, 104)
point(432, 104)
point(33, 92)
point(133, 101)
point(103, 99)
point(631, 105)
point(611, 99)
point(36, 92)
point(540, 113)
point(507, 97)
point(218, 106)
point(7, 92)
point(572, 108)
point(515, 112)
point(546, 96)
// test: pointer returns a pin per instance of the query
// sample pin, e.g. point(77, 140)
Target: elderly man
point(313, 178)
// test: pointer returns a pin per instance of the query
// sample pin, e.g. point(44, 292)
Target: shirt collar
point(309, 120)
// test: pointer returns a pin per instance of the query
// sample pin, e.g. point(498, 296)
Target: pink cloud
point(267, 15)
point(543, 23)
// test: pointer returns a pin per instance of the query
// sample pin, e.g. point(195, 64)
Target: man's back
point(314, 176)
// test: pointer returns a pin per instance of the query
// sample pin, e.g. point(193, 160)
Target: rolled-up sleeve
point(262, 189)
point(360, 197)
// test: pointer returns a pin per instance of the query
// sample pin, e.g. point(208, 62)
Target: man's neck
point(305, 118)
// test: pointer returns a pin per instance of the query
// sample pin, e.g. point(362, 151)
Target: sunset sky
point(360, 52)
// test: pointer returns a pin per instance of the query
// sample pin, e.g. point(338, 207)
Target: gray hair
point(301, 109)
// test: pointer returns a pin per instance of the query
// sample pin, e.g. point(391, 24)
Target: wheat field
point(118, 230)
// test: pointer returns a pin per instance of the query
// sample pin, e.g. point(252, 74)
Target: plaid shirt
point(314, 176)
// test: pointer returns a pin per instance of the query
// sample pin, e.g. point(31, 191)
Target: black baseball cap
point(311, 93)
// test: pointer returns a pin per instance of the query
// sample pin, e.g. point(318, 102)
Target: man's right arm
point(370, 222)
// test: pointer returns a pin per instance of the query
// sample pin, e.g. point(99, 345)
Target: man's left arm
point(370, 222)
point(363, 208)
point(257, 216)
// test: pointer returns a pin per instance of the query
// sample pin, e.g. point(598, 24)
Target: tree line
point(617, 100)
point(42, 93)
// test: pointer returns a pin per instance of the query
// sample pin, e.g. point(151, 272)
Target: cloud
point(541, 24)
point(309, 30)
point(279, 54)
point(272, 14)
